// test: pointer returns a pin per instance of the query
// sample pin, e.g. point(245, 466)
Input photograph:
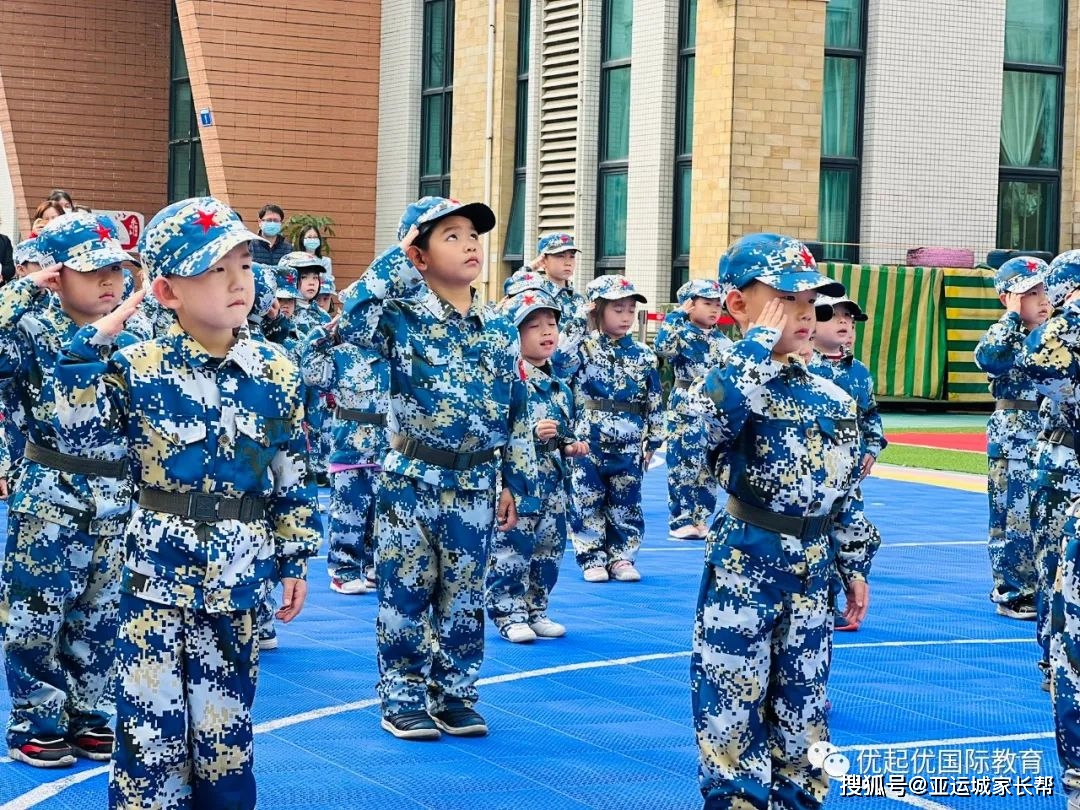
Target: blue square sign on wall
point(206, 118)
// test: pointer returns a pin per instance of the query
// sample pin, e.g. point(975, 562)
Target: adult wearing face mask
point(270, 218)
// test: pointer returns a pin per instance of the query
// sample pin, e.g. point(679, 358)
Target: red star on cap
point(206, 219)
point(1032, 265)
point(528, 300)
point(527, 277)
point(564, 238)
point(624, 283)
point(807, 257)
point(102, 231)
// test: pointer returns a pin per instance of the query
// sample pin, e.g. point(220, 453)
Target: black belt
point(204, 506)
point(411, 448)
point(614, 406)
point(353, 415)
point(550, 446)
point(807, 528)
point(1016, 405)
point(75, 464)
point(683, 385)
point(1055, 436)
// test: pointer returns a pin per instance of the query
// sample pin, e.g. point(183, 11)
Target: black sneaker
point(1022, 609)
point(47, 751)
point(416, 725)
point(94, 743)
point(461, 721)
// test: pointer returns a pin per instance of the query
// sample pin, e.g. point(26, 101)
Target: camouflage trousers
point(758, 671)
point(1010, 544)
point(1053, 486)
point(691, 484)
point(431, 549)
point(1065, 657)
point(59, 619)
point(186, 683)
point(607, 522)
point(352, 523)
point(524, 565)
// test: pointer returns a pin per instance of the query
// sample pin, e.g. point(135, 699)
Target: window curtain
point(840, 107)
point(843, 24)
point(835, 209)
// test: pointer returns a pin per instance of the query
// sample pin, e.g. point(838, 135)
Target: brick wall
point(84, 93)
point(294, 92)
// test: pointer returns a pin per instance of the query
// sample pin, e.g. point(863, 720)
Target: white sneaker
point(596, 574)
point(546, 628)
point(702, 530)
point(517, 633)
point(624, 571)
point(348, 586)
point(684, 533)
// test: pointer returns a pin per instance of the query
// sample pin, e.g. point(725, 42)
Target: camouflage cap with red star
point(556, 243)
point(84, 242)
point(426, 211)
point(528, 279)
point(188, 237)
point(780, 262)
point(1019, 274)
point(524, 304)
point(613, 288)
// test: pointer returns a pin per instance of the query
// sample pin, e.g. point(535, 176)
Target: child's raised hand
point(410, 237)
point(47, 278)
point(1013, 301)
point(113, 323)
point(772, 316)
point(535, 263)
point(547, 429)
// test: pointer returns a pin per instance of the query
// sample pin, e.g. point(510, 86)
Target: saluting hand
point(47, 278)
point(772, 316)
point(113, 323)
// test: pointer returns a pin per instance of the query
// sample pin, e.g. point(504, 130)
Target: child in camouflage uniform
point(359, 382)
point(66, 512)
point(692, 342)
point(525, 560)
point(459, 413)
point(212, 422)
point(1010, 434)
point(308, 270)
point(617, 390)
point(833, 360)
point(788, 442)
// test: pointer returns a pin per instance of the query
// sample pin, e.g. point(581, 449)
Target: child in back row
point(212, 421)
point(617, 390)
point(1011, 433)
point(459, 415)
point(525, 560)
point(832, 359)
point(359, 382)
point(692, 342)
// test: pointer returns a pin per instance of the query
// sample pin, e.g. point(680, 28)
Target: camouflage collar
point(243, 354)
point(444, 311)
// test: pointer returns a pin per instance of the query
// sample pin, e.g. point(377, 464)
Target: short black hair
point(271, 208)
point(308, 268)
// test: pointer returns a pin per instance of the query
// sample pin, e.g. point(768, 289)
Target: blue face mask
point(271, 229)
point(312, 244)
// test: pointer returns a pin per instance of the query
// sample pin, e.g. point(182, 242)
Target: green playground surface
point(929, 458)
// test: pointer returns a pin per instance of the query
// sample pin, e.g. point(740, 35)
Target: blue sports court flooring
point(935, 686)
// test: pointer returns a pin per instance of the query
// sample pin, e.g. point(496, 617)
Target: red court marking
point(974, 442)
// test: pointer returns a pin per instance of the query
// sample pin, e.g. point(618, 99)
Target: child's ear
point(416, 256)
point(1001, 298)
point(162, 290)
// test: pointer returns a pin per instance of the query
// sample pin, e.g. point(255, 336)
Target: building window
point(436, 101)
point(1032, 95)
point(617, 29)
point(684, 145)
point(187, 171)
point(841, 129)
point(514, 249)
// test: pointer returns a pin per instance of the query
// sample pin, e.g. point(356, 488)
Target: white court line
point(699, 545)
point(956, 741)
point(51, 789)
